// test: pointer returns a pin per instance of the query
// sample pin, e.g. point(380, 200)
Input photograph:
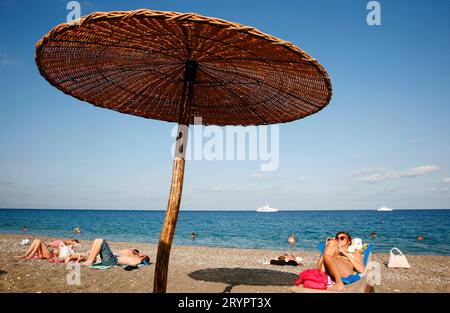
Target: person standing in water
point(291, 239)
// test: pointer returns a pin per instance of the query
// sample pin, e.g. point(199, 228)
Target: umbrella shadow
point(244, 276)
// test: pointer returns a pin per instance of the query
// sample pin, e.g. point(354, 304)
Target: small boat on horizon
point(266, 209)
point(384, 209)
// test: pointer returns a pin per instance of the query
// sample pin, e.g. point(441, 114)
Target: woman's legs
point(333, 270)
point(331, 266)
point(43, 251)
point(31, 250)
point(39, 248)
point(95, 250)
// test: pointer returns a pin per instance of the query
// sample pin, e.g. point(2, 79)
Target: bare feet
point(339, 286)
point(20, 257)
point(87, 263)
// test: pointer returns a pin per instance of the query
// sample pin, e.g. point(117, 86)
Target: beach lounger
point(356, 283)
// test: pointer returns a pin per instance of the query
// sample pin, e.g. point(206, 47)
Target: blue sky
point(383, 139)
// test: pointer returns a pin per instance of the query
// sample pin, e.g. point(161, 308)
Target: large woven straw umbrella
point(173, 67)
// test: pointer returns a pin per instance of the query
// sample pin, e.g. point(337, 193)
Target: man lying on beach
point(101, 248)
point(337, 262)
point(41, 250)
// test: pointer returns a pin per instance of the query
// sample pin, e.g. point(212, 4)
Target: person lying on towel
point(338, 262)
point(101, 248)
point(287, 259)
point(52, 250)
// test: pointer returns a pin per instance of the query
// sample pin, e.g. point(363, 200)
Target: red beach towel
point(314, 279)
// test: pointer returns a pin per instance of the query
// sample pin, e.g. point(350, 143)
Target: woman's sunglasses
point(341, 238)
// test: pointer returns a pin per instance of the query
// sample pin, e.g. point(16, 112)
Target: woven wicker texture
point(134, 62)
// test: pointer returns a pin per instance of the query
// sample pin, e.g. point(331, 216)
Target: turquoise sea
point(244, 229)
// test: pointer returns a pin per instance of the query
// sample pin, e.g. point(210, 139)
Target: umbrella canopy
point(134, 62)
point(174, 67)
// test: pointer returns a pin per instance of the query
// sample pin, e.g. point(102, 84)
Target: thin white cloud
point(261, 175)
point(420, 170)
point(5, 60)
point(301, 178)
point(210, 188)
point(440, 189)
point(441, 186)
point(256, 175)
point(381, 174)
point(372, 175)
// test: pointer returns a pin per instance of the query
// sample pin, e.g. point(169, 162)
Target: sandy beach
point(202, 269)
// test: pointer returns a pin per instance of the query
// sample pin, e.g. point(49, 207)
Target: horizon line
point(219, 210)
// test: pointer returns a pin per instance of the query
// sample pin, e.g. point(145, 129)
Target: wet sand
point(201, 269)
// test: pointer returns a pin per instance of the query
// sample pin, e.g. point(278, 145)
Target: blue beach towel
point(144, 263)
point(99, 266)
point(356, 276)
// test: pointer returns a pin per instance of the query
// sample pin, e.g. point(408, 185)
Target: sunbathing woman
point(39, 250)
point(337, 262)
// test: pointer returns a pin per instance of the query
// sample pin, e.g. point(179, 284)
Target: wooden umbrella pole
point(168, 230)
point(173, 206)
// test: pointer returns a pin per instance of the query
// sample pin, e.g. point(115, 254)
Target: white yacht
point(266, 209)
point(384, 209)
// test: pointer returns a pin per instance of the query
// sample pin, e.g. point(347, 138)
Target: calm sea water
point(244, 229)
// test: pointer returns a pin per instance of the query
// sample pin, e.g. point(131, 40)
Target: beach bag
point(397, 260)
point(313, 278)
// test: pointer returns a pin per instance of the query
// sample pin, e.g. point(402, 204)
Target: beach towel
point(314, 279)
point(100, 266)
point(144, 263)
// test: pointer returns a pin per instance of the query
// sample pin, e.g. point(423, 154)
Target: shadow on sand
point(244, 276)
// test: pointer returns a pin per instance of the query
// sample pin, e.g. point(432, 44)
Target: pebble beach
point(201, 269)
